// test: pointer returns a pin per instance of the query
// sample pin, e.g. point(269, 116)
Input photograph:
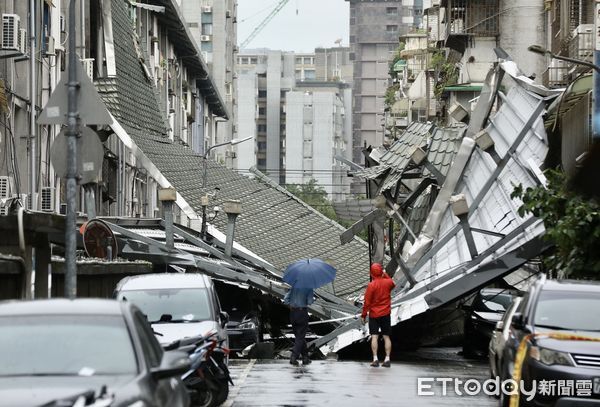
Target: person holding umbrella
point(378, 304)
point(303, 277)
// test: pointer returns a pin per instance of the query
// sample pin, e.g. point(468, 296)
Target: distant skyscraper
point(375, 26)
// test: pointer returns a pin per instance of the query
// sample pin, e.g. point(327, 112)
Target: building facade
point(374, 30)
point(213, 25)
point(138, 58)
point(267, 77)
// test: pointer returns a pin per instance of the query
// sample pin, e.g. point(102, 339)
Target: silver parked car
point(177, 305)
point(500, 336)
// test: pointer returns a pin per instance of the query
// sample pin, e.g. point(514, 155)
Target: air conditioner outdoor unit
point(47, 199)
point(5, 187)
point(11, 26)
point(23, 40)
point(207, 9)
point(88, 67)
point(230, 154)
point(50, 45)
point(205, 38)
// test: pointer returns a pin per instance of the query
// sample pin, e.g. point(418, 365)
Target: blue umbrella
point(309, 273)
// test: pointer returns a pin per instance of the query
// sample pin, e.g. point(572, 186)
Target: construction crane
point(264, 22)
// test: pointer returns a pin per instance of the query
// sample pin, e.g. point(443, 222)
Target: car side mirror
point(224, 318)
point(518, 321)
point(499, 325)
point(173, 363)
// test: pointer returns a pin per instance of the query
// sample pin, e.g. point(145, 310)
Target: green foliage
point(314, 195)
point(390, 95)
point(572, 226)
point(446, 74)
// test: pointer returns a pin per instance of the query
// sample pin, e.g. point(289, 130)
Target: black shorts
point(380, 326)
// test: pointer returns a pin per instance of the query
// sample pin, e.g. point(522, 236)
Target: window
point(207, 28)
point(262, 93)
point(391, 28)
point(253, 60)
point(391, 11)
point(206, 46)
point(262, 111)
point(261, 128)
point(152, 352)
point(299, 60)
point(172, 304)
point(309, 74)
point(107, 335)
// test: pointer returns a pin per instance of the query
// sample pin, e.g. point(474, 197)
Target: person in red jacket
point(378, 304)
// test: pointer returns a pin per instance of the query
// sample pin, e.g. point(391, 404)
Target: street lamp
point(205, 198)
point(538, 49)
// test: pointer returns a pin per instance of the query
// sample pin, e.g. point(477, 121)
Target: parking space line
point(240, 382)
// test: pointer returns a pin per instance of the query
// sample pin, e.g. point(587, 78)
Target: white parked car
point(177, 305)
point(500, 336)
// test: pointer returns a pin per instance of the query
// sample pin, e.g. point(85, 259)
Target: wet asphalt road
point(354, 383)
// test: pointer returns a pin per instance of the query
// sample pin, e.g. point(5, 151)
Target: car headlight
point(247, 325)
point(550, 357)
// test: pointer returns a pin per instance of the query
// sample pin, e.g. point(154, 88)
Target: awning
point(463, 88)
point(569, 98)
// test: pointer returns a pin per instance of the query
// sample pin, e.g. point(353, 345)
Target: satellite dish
point(99, 241)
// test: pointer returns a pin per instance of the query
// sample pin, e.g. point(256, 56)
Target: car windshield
point(496, 302)
point(78, 345)
point(171, 305)
point(563, 310)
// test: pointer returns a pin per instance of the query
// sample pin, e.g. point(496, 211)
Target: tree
point(314, 195)
point(572, 225)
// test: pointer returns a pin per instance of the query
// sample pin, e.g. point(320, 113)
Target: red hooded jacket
point(378, 301)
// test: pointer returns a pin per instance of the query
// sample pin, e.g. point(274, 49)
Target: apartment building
point(213, 25)
point(374, 30)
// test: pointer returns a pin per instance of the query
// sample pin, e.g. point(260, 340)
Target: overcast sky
point(318, 23)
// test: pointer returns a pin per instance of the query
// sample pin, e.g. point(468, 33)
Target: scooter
point(208, 378)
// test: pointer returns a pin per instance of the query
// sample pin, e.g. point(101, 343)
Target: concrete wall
point(246, 120)
point(521, 25)
point(477, 60)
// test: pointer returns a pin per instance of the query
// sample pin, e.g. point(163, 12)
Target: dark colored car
point(486, 309)
point(244, 327)
point(564, 307)
point(52, 350)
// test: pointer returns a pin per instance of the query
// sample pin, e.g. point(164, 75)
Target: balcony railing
point(581, 45)
point(477, 18)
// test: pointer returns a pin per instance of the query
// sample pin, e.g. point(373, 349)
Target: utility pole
point(33, 112)
point(72, 135)
point(596, 91)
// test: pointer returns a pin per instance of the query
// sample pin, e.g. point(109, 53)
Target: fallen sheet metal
point(463, 248)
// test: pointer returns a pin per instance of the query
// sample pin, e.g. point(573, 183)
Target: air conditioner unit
point(5, 187)
point(230, 154)
point(11, 26)
point(23, 40)
point(50, 46)
point(227, 13)
point(47, 199)
point(88, 67)
point(207, 9)
point(205, 38)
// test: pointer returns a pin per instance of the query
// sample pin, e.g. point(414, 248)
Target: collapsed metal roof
point(145, 239)
point(472, 233)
